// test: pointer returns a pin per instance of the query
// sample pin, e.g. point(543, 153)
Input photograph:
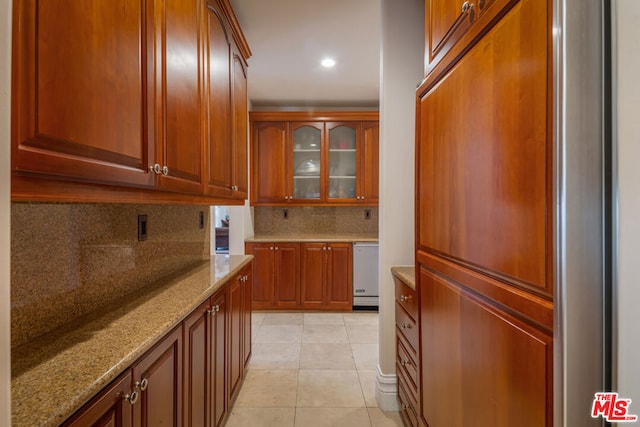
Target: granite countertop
point(406, 274)
point(55, 375)
point(312, 237)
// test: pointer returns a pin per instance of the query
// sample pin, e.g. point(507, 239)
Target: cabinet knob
point(324, 248)
point(131, 398)
point(234, 187)
point(276, 248)
point(143, 384)
point(465, 7)
point(155, 169)
point(329, 248)
point(405, 326)
point(271, 248)
point(165, 170)
point(405, 297)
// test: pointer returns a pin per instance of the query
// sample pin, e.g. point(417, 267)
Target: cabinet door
point(263, 274)
point(196, 367)
point(313, 275)
point(447, 21)
point(240, 122)
point(479, 348)
point(287, 262)
point(369, 164)
point(269, 168)
point(218, 350)
point(181, 138)
point(306, 166)
point(246, 289)
point(339, 276)
point(84, 111)
point(218, 96)
point(108, 408)
point(236, 360)
point(161, 401)
point(457, 22)
point(342, 161)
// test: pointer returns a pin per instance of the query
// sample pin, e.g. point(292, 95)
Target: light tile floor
point(312, 369)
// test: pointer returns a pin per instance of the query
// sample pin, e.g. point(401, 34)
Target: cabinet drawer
point(408, 366)
point(407, 298)
point(407, 408)
point(406, 326)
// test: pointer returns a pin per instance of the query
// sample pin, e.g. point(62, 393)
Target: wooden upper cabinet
point(227, 109)
point(305, 162)
point(180, 142)
point(308, 159)
point(142, 95)
point(82, 107)
point(240, 115)
point(453, 25)
point(369, 164)
point(342, 161)
point(218, 76)
point(269, 154)
point(483, 180)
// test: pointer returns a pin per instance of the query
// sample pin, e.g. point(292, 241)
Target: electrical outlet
point(142, 228)
point(285, 213)
point(201, 219)
point(367, 214)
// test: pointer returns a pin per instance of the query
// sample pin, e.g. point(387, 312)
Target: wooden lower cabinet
point(276, 278)
point(109, 408)
point(187, 377)
point(218, 338)
point(488, 367)
point(407, 351)
point(294, 276)
point(326, 276)
point(160, 400)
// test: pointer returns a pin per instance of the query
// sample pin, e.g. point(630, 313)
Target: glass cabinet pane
point(342, 162)
point(306, 162)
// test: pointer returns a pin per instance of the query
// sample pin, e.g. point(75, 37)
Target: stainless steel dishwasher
point(365, 275)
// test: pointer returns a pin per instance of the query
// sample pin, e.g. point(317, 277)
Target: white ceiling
point(289, 38)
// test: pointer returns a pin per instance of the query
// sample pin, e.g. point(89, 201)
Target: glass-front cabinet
point(307, 160)
point(304, 159)
point(342, 160)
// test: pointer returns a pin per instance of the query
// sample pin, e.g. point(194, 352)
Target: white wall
point(626, 68)
point(5, 210)
point(401, 72)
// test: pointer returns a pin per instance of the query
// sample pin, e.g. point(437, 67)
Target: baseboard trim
point(387, 391)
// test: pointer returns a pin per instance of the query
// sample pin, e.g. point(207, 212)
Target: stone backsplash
point(70, 259)
point(312, 219)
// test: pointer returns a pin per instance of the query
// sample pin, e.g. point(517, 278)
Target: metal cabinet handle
point(404, 362)
point(405, 326)
point(404, 298)
point(465, 7)
point(131, 398)
point(143, 384)
point(157, 169)
point(165, 170)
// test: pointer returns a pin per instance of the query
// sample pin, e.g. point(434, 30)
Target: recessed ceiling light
point(328, 62)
